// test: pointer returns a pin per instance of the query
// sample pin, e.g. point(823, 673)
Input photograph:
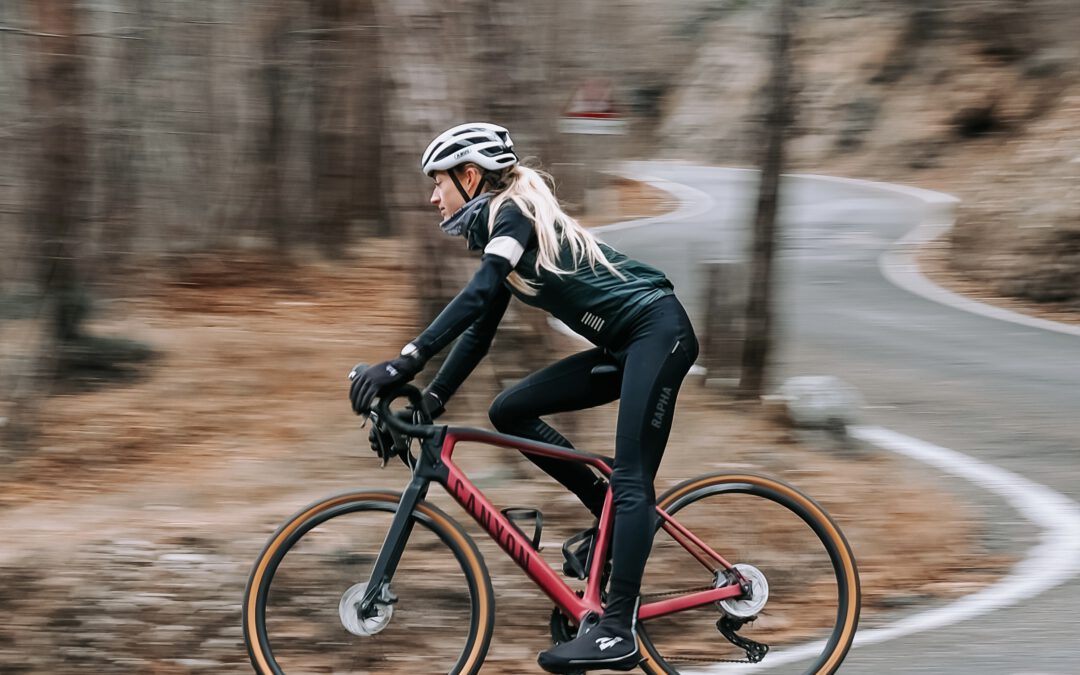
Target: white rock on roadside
point(818, 401)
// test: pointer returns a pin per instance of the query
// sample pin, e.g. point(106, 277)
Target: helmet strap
point(459, 186)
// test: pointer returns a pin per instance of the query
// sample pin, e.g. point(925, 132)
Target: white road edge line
point(900, 267)
point(1051, 562)
point(692, 202)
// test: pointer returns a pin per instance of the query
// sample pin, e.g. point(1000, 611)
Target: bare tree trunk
point(58, 91)
point(759, 326)
point(507, 70)
point(331, 123)
point(369, 187)
point(273, 78)
point(56, 215)
point(421, 100)
point(121, 146)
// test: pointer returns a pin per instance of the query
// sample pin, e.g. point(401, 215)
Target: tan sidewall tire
point(429, 516)
point(653, 662)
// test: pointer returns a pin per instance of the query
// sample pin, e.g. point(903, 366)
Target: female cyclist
point(532, 250)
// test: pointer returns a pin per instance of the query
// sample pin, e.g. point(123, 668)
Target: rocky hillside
point(980, 98)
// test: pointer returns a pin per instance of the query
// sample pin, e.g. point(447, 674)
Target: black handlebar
point(416, 398)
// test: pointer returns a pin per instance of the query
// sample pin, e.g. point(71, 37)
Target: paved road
point(1000, 392)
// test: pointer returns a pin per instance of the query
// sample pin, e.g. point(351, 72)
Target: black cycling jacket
point(592, 301)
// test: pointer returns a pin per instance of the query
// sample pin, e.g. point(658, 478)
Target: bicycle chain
point(661, 594)
point(706, 661)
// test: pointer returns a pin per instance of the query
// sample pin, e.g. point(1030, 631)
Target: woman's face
point(446, 197)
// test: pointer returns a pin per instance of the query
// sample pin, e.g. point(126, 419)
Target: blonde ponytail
point(530, 190)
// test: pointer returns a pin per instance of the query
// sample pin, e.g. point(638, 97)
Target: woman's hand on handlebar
point(380, 437)
point(369, 382)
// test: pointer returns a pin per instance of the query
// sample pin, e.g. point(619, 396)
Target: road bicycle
point(372, 581)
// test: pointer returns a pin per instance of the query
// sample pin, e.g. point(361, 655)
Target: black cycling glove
point(369, 383)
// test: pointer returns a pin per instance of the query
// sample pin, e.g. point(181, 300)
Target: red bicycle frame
point(520, 549)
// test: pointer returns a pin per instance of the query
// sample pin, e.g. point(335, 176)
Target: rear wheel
point(805, 605)
point(299, 606)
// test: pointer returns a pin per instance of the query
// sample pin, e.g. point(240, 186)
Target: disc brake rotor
point(750, 604)
point(382, 610)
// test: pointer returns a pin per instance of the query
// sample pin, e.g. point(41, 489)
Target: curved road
point(1003, 393)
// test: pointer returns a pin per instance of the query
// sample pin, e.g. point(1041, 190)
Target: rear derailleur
point(755, 651)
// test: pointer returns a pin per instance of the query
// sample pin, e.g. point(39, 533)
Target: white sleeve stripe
point(506, 247)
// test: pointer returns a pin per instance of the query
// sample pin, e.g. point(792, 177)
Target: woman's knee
point(631, 488)
point(504, 415)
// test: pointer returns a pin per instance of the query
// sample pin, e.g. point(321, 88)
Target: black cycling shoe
point(606, 647)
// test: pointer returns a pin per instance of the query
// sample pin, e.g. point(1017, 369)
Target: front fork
point(393, 546)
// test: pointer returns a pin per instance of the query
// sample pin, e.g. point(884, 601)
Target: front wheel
point(805, 604)
point(436, 616)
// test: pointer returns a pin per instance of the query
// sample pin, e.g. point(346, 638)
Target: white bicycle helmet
point(487, 145)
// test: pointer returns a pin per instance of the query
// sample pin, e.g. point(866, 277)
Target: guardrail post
point(724, 302)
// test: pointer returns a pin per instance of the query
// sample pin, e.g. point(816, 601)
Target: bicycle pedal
point(515, 514)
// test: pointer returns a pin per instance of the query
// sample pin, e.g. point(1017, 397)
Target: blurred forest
point(219, 206)
point(144, 139)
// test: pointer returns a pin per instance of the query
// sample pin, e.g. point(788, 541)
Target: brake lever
point(384, 456)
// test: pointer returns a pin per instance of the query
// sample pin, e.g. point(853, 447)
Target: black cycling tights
point(652, 361)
